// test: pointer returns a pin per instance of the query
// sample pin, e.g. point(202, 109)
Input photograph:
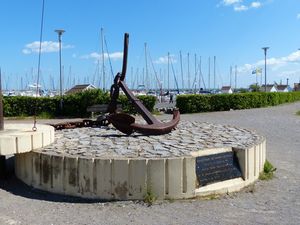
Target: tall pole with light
point(265, 52)
point(60, 32)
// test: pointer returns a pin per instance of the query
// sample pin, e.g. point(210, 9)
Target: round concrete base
point(124, 178)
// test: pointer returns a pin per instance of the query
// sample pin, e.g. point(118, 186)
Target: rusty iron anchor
point(126, 123)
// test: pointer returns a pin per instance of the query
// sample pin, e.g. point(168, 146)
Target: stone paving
point(107, 142)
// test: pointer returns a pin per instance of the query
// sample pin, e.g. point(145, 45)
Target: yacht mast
point(189, 81)
point(208, 73)
point(181, 69)
point(168, 72)
point(103, 69)
point(146, 63)
point(214, 72)
point(200, 72)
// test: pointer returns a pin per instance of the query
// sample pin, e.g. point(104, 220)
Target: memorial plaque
point(218, 167)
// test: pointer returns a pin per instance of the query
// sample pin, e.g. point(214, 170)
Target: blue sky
point(232, 30)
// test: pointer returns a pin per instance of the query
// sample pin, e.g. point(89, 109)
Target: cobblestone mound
point(107, 142)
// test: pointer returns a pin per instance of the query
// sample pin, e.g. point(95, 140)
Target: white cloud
point(239, 6)
point(164, 60)
point(47, 46)
point(255, 5)
point(230, 2)
point(274, 63)
point(298, 16)
point(98, 56)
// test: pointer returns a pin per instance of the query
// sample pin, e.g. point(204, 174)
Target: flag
point(257, 71)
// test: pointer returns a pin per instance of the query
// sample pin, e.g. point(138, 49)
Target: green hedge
point(74, 105)
point(223, 102)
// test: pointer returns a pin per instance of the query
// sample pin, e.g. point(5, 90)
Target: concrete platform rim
point(19, 138)
point(127, 179)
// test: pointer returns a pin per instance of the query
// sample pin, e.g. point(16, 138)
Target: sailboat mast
point(137, 78)
point(146, 66)
point(195, 80)
point(209, 73)
point(200, 72)
point(189, 81)
point(214, 72)
point(132, 79)
point(181, 69)
point(235, 78)
point(230, 76)
point(169, 72)
point(103, 69)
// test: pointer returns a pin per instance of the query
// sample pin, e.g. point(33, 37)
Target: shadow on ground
point(13, 185)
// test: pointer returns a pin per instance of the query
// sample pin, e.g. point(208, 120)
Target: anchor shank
point(150, 119)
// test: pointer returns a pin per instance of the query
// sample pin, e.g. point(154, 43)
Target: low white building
point(80, 88)
point(269, 88)
point(226, 90)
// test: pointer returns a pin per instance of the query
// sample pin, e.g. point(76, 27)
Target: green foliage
point(149, 197)
point(75, 105)
point(223, 102)
point(254, 87)
point(148, 102)
point(268, 172)
point(26, 106)
point(298, 113)
point(193, 103)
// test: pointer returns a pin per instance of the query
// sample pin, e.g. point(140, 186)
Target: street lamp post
point(265, 52)
point(60, 32)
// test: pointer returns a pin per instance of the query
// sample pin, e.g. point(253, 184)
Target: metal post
point(265, 52)
point(60, 32)
point(1, 105)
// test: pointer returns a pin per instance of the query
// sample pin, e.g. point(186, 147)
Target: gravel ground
point(273, 202)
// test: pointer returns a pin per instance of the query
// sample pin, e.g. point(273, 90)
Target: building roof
point(269, 87)
point(226, 88)
point(79, 88)
point(281, 87)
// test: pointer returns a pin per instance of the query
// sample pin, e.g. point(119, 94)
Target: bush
point(75, 105)
point(148, 102)
point(223, 102)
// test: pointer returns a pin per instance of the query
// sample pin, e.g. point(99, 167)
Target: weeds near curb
point(268, 172)
point(298, 113)
point(149, 197)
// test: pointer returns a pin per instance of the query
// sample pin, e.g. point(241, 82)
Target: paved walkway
point(273, 202)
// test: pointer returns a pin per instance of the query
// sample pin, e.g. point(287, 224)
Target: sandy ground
point(273, 202)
